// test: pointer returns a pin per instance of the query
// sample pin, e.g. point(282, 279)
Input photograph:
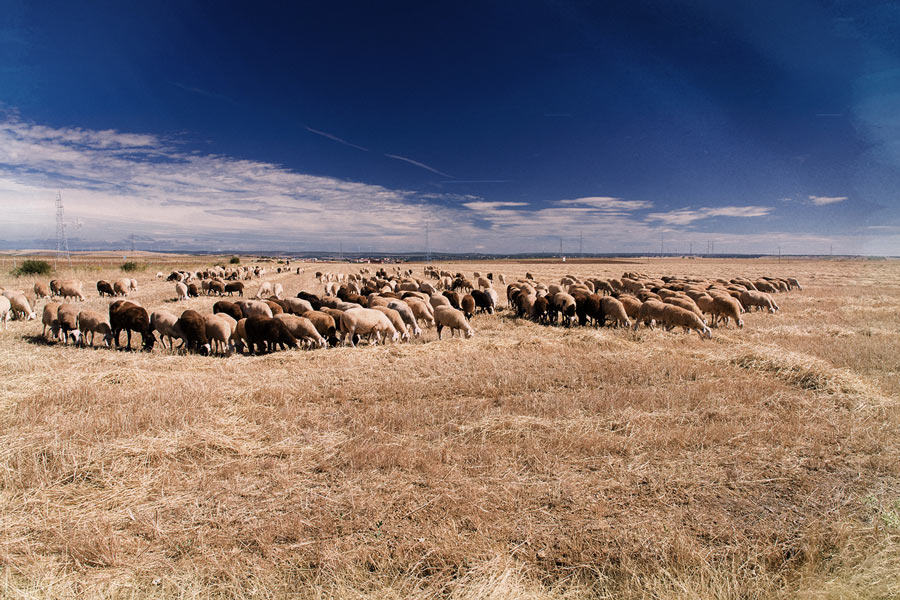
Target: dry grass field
point(527, 462)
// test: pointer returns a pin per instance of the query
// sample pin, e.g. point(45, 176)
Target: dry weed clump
point(527, 462)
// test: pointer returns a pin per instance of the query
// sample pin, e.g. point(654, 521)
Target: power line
point(62, 241)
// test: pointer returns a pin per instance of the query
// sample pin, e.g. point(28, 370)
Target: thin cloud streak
point(335, 138)
point(826, 200)
point(418, 164)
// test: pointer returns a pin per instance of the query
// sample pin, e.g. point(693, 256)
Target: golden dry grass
point(527, 462)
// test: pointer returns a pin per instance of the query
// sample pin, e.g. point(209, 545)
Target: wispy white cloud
point(685, 216)
point(418, 164)
point(824, 200)
point(483, 206)
point(609, 203)
point(335, 138)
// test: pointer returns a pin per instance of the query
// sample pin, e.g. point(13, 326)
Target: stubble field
point(527, 462)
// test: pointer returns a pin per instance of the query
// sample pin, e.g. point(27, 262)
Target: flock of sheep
point(380, 307)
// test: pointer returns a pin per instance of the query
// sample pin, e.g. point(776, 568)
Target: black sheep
point(193, 290)
point(467, 305)
point(235, 286)
point(105, 288)
point(193, 327)
point(229, 308)
point(263, 334)
point(483, 301)
point(130, 317)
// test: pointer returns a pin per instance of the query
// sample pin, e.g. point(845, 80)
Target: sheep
point(235, 286)
point(303, 329)
point(67, 320)
point(274, 306)
point(218, 333)
point(675, 316)
point(5, 310)
point(20, 308)
point(324, 324)
point(651, 310)
point(684, 302)
point(167, 325)
point(407, 315)
point(614, 309)
point(396, 321)
point(54, 287)
point(92, 322)
point(278, 290)
point(540, 310)
point(229, 308)
point(564, 304)
point(264, 334)
point(193, 290)
point(41, 290)
point(49, 319)
point(216, 287)
point(181, 291)
point(764, 286)
point(72, 289)
point(132, 285)
point(130, 317)
point(447, 316)
point(726, 307)
point(121, 287)
point(760, 300)
point(468, 306)
point(792, 283)
point(296, 306)
point(239, 335)
point(265, 289)
point(422, 310)
point(438, 300)
point(250, 308)
point(366, 321)
point(105, 288)
point(193, 331)
point(486, 299)
point(484, 282)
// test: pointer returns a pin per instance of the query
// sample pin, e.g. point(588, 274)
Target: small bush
point(235, 260)
point(33, 267)
point(132, 266)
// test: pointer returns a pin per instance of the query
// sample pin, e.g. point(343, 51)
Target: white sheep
point(218, 333)
point(278, 290)
point(5, 309)
point(20, 307)
point(302, 329)
point(167, 325)
point(181, 291)
point(447, 316)
point(72, 288)
point(407, 315)
point(49, 319)
point(265, 290)
point(250, 308)
point(92, 322)
point(368, 322)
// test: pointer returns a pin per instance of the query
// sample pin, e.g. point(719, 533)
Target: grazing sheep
point(684, 302)
point(41, 290)
point(296, 306)
point(406, 313)
point(764, 286)
point(121, 287)
point(5, 310)
point(675, 316)
point(540, 310)
point(20, 308)
point(105, 288)
point(193, 331)
point(235, 286)
point(439, 300)
point(651, 310)
point(278, 290)
point(229, 308)
point(614, 310)
point(396, 321)
point(72, 289)
point(563, 304)
point(447, 316)
point(792, 283)
point(324, 324)
point(760, 300)
point(49, 319)
point(92, 322)
point(467, 305)
point(250, 308)
point(265, 290)
point(130, 317)
point(218, 333)
point(264, 334)
point(167, 325)
point(181, 291)
point(303, 329)
point(726, 307)
point(67, 320)
point(370, 322)
point(193, 290)
point(132, 285)
point(422, 310)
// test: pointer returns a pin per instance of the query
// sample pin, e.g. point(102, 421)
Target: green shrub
point(132, 266)
point(235, 260)
point(33, 267)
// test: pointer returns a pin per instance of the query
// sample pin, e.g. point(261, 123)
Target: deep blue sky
point(758, 124)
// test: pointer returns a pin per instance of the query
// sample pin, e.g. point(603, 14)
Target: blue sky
point(505, 126)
